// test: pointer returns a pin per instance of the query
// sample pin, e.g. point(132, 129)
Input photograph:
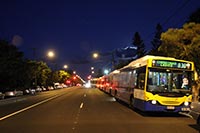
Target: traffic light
point(74, 77)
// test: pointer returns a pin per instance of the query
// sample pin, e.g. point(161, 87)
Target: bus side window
point(150, 81)
point(141, 78)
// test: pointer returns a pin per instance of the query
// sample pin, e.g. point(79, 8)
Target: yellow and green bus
point(154, 83)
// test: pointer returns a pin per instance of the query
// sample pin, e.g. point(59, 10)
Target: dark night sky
point(76, 28)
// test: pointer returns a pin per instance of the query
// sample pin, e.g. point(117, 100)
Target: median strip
point(27, 108)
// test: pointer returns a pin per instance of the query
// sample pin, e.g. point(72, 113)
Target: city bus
point(94, 82)
point(154, 83)
point(102, 83)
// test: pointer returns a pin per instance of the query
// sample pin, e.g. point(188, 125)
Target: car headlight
point(12, 94)
point(186, 103)
point(153, 102)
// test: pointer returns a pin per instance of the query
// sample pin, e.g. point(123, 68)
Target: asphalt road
point(81, 110)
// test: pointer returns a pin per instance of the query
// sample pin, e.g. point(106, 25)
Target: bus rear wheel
point(115, 95)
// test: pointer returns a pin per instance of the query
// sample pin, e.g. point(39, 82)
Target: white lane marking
point(81, 106)
point(27, 108)
point(77, 116)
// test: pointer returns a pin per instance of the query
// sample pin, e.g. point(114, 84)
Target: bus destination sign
point(171, 64)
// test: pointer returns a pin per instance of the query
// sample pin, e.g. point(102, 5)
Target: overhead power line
point(175, 12)
point(172, 15)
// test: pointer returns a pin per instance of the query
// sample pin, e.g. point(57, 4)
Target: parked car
point(29, 91)
point(195, 111)
point(43, 88)
point(38, 89)
point(1, 95)
point(50, 88)
point(58, 86)
point(13, 93)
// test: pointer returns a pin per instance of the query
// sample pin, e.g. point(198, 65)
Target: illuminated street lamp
point(65, 66)
point(51, 54)
point(106, 71)
point(74, 72)
point(92, 70)
point(95, 55)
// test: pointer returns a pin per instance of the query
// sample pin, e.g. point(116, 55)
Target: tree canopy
point(194, 17)
point(156, 42)
point(11, 65)
point(182, 43)
point(17, 72)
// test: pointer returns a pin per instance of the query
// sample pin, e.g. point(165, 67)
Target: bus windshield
point(162, 80)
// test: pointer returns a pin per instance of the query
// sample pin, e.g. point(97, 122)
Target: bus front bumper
point(161, 108)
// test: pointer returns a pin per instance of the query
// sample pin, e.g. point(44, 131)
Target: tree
point(37, 73)
point(16, 72)
point(11, 65)
point(60, 76)
point(156, 42)
point(138, 42)
point(43, 72)
point(63, 76)
point(194, 17)
point(182, 43)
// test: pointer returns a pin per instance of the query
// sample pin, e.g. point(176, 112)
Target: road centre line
point(81, 106)
point(77, 117)
point(27, 108)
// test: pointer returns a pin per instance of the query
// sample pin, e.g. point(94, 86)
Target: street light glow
point(95, 55)
point(106, 71)
point(65, 66)
point(51, 54)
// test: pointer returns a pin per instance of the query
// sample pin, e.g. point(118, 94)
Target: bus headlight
point(186, 103)
point(153, 102)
